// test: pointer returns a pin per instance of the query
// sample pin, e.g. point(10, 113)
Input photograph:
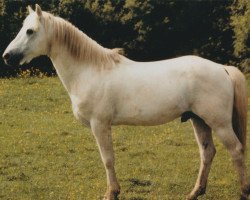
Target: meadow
point(45, 154)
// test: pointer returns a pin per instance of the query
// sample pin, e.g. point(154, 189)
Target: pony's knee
point(109, 164)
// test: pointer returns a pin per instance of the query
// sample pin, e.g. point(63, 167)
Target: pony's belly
point(141, 118)
point(150, 107)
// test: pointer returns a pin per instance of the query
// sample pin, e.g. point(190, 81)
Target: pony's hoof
point(243, 197)
point(111, 195)
point(246, 190)
point(245, 193)
point(195, 193)
point(189, 197)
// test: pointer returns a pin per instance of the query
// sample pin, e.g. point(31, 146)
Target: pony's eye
point(29, 32)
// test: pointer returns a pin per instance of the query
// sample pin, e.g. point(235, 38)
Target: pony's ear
point(30, 10)
point(38, 10)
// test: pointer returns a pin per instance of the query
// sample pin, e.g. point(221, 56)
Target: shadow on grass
point(137, 182)
point(137, 189)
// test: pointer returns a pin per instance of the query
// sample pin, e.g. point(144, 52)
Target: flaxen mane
point(79, 45)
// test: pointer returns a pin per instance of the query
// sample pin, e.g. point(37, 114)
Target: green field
point(47, 154)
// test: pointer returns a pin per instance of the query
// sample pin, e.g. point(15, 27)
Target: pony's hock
point(108, 89)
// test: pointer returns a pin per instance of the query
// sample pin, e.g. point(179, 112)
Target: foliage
point(240, 20)
point(241, 24)
point(147, 30)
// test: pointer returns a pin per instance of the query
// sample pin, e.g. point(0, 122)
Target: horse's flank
point(79, 45)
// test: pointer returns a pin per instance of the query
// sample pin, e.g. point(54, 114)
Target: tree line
point(147, 30)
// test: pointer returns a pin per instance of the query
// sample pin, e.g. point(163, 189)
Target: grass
point(46, 154)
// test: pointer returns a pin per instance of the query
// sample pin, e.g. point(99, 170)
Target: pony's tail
point(239, 119)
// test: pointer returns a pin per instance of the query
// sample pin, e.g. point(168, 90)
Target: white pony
point(108, 89)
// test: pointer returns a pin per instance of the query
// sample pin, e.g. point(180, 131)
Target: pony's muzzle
point(6, 56)
point(11, 58)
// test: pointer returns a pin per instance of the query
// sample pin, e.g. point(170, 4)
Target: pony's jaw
point(26, 60)
point(23, 61)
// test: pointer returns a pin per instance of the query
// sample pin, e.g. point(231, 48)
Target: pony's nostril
point(6, 56)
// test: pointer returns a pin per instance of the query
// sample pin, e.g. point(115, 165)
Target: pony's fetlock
point(243, 197)
point(196, 192)
point(246, 190)
point(112, 194)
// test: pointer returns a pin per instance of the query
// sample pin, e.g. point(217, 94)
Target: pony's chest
point(82, 110)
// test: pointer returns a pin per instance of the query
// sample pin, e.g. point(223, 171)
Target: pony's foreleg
point(231, 142)
point(207, 151)
point(102, 133)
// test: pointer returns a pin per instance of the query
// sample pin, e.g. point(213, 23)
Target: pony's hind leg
point(207, 151)
point(231, 142)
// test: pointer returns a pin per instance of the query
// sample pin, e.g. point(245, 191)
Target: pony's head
point(30, 42)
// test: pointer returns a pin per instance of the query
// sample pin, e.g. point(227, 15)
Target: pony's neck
point(73, 53)
point(64, 37)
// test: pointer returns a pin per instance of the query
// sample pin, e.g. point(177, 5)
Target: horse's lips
point(15, 59)
point(11, 63)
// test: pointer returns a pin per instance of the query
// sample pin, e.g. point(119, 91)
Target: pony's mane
point(79, 45)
